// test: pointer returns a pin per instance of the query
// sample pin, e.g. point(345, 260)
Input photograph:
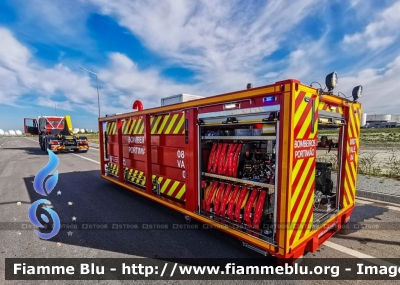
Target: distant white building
point(380, 120)
point(11, 132)
point(383, 118)
point(1, 132)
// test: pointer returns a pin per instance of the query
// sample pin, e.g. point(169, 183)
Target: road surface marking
point(390, 207)
point(86, 158)
point(5, 141)
point(393, 208)
point(356, 253)
point(363, 202)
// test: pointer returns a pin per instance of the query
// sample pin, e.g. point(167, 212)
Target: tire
point(85, 151)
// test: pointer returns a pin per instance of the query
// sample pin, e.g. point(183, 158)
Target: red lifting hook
point(137, 105)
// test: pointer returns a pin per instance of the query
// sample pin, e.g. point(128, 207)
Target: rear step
point(256, 249)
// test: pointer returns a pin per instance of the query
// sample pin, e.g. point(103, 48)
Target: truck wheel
point(46, 147)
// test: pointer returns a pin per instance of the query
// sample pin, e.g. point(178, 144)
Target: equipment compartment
point(238, 178)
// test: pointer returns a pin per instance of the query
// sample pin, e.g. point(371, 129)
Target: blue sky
point(152, 49)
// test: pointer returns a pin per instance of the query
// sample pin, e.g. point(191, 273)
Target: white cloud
point(223, 41)
point(380, 88)
point(123, 82)
point(22, 75)
point(123, 79)
point(380, 33)
point(14, 55)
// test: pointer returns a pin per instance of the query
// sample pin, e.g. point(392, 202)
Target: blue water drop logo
point(34, 220)
point(44, 172)
point(49, 186)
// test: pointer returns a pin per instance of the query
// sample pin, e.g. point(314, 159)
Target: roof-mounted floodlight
point(331, 81)
point(357, 92)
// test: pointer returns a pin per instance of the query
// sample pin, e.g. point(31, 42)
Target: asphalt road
point(95, 200)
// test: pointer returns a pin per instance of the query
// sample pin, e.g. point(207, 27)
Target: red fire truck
point(244, 162)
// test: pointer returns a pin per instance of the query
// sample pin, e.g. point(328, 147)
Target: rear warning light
point(83, 142)
point(55, 142)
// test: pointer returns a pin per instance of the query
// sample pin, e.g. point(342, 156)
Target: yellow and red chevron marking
point(83, 146)
point(352, 147)
point(112, 168)
point(326, 107)
point(133, 127)
point(168, 124)
point(303, 167)
point(172, 188)
point(57, 147)
point(168, 187)
point(136, 176)
point(111, 128)
point(172, 124)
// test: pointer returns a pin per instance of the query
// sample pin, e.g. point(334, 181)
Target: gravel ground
point(376, 188)
point(382, 158)
point(378, 184)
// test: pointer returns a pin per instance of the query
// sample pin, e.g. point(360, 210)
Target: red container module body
point(245, 162)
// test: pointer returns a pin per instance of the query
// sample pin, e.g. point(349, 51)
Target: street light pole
point(97, 82)
point(55, 105)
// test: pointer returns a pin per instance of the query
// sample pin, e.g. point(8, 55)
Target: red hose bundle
point(235, 161)
point(249, 206)
point(217, 158)
point(239, 203)
point(212, 156)
point(222, 159)
point(218, 198)
point(224, 202)
point(259, 210)
point(228, 159)
point(210, 197)
point(232, 201)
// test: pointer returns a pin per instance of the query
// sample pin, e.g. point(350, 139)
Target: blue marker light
point(269, 99)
